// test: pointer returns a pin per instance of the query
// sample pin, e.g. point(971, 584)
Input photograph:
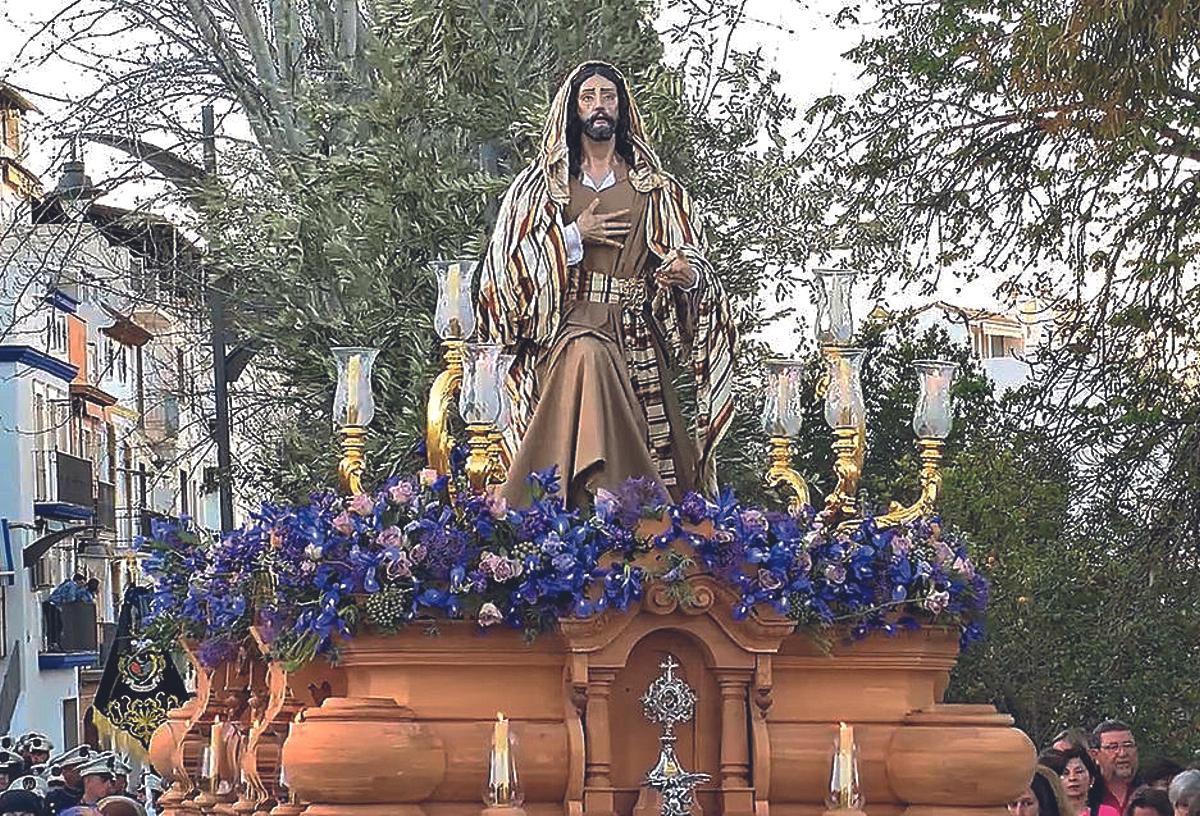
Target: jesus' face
point(598, 107)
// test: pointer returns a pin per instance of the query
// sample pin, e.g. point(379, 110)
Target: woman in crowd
point(1081, 780)
point(1149, 802)
point(1043, 797)
point(1184, 790)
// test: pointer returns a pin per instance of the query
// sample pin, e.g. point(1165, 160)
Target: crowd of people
point(79, 782)
point(1079, 774)
point(1099, 774)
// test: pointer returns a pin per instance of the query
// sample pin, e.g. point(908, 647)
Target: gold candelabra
point(931, 487)
point(847, 467)
point(480, 467)
point(781, 475)
point(438, 441)
point(354, 459)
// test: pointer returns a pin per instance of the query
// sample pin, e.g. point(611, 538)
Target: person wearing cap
point(71, 792)
point(34, 748)
point(99, 778)
point(21, 802)
point(11, 767)
point(25, 795)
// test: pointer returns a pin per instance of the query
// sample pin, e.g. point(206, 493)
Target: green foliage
point(1056, 146)
point(329, 245)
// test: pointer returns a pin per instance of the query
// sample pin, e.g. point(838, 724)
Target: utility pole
point(216, 304)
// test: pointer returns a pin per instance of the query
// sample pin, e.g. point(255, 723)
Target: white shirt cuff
point(574, 243)
point(695, 283)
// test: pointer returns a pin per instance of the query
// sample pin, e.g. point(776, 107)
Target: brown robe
point(588, 419)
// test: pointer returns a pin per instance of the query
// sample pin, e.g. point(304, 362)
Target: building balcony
point(63, 486)
point(69, 636)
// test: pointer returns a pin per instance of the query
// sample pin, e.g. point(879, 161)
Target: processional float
point(757, 716)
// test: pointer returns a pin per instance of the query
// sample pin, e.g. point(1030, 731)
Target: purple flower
point(607, 504)
point(835, 573)
point(769, 580)
point(803, 561)
point(391, 537)
point(901, 544)
point(489, 615)
point(754, 520)
point(313, 552)
point(693, 508)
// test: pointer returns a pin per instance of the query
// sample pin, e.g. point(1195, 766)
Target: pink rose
point(427, 476)
point(497, 506)
point(489, 615)
point(964, 566)
point(505, 569)
point(343, 524)
point(417, 553)
point(401, 493)
point(362, 505)
point(399, 565)
point(937, 601)
point(391, 537)
point(942, 552)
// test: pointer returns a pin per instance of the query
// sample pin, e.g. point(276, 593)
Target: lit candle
point(353, 374)
point(846, 765)
point(214, 754)
point(783, 397)
point(501, 783)
point(454, 295)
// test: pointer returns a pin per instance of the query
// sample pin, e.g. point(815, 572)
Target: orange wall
point(77, 346)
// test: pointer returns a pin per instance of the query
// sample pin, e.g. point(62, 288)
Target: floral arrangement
point(416, 549)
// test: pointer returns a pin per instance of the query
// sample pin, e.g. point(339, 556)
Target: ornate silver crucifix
point(668, 701)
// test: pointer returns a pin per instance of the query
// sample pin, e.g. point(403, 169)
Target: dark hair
point(1152, 798)
point(624, 146)
point(79, 577)
point(1106, 727)
point(1043, 791)
point(93, 584)
point(1163, 768)
point(1057, 761)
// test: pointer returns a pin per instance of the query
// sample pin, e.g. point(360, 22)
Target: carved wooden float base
point(408, 729)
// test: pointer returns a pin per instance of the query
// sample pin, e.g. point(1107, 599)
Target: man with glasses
point(1115, 751)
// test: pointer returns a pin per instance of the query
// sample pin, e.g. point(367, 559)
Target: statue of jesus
point(596, 279)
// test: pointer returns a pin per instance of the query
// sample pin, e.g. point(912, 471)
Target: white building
point(103, 425)
point(1001, 342)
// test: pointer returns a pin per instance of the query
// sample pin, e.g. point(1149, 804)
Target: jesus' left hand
point(676, 272)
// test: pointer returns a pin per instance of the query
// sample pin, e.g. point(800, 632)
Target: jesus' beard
point(599, 129)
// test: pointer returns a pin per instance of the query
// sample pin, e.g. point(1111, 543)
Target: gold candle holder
point(847, 468)
point(442, 395)
point(781, 474)
point(931, 487)
point(353, 410)
point(496, 454)
point(354, 459)
point(479, 466)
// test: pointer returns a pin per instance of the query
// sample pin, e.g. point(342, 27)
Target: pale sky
point(798, 38)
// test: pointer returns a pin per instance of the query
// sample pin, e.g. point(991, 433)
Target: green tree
point(1055, 145)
